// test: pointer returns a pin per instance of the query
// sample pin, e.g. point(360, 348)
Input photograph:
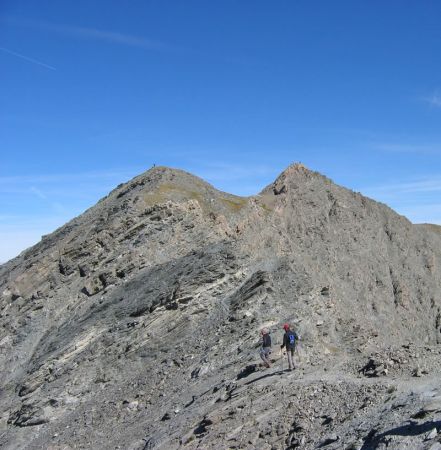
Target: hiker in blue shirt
point(289, 341)
point(265, 350)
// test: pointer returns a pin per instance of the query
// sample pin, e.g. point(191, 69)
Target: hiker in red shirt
point(289, 341)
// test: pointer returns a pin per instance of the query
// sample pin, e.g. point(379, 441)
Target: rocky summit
point(137, 324)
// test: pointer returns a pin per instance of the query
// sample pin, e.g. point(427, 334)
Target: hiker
point(289, 341)
point(265, 350)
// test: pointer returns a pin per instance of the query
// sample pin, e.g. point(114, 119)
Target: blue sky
point(94, 93)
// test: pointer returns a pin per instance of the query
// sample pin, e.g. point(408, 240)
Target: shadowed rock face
point(136, 325)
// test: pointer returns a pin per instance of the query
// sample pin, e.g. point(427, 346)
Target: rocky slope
point(136, 325)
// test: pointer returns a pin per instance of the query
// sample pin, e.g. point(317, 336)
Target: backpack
point(291, 338)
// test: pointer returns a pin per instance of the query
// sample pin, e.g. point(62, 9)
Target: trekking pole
point(281, 359)
point(298, 353)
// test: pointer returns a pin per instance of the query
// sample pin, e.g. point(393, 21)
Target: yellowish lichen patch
point(235, 204)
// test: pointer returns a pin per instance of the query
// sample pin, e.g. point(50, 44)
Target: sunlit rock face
point(136, 325)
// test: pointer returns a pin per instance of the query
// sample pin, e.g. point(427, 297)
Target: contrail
point(26, 58)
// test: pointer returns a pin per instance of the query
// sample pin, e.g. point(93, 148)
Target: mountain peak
point(295, 168)
point(161, 183)
point(291, 177)
point(140, 317)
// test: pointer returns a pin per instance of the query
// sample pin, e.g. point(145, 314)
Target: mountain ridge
point(151, 302)
point(168, 174)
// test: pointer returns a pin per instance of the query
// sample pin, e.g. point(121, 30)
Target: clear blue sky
point(93, 93)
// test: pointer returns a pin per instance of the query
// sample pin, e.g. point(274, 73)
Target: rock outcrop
point(136, 325)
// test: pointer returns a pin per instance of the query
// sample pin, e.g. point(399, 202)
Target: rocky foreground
point(136, 325)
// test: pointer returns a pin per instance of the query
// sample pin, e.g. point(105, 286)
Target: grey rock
point(432, 434)
point(435, 446)
point(418, 372)
point(136, 325)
